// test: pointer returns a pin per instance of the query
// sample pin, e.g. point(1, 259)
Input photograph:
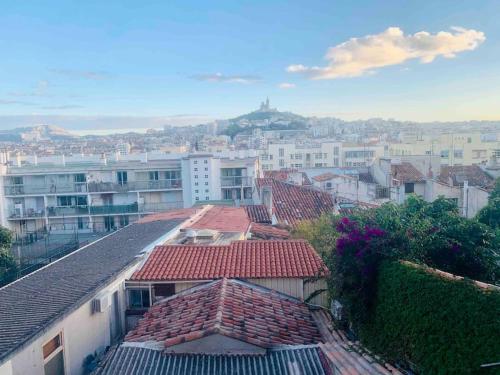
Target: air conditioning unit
point(100, 304)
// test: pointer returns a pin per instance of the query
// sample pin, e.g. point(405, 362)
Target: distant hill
point(34, 133)
point(272, 116)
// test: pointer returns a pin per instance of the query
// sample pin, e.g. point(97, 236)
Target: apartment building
point(453, 149)
point(293, 155)
point(97, 193)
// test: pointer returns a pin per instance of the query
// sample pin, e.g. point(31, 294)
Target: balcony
point(26, 214)
point(229, 181)
point(67, 211)
point(98, 187)
point(159, 207)
point(77, 187)
point(114, 209)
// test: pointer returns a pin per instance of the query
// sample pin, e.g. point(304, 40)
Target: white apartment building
point(292, 155)
point(454, 149)
point(94, 193)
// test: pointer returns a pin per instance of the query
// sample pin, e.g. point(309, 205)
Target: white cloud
point(219, 77)
point(286, 85)
point(360, 56)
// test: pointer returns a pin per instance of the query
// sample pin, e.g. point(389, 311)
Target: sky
point(145, 63)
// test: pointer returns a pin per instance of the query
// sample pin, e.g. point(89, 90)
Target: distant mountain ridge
point(35, 133)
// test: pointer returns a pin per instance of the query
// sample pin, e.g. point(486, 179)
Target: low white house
point(52, 319)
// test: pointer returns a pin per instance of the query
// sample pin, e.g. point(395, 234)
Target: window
point(206, 176)
point(336, 150)
point(124, 221)
point(205, 161)
point(281, 152)
point(206, 183)
point(197, 198)
point(195, 162)
point(459, 154)
point(207, 198)
point(196, 169)
point(53, 356)
point(196, 191)
point(271, 157)
point(154, 176)
point(122, 177)
point(195, 176)
point(409, 188)
point(138, 298)
point(336, 162)
point(264, 157)
point(298, 156)
point(291, 156)
point(17, 180)
point(206, 190)
point(206, 169)
point(163, 290)
point(282, 163)
point(80, 222)
point(445, 153)
point(195, 184)
point(79, 177)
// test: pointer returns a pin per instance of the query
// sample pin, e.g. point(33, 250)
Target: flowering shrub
point(358, 252)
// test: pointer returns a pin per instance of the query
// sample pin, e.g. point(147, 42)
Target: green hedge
point(440, 326)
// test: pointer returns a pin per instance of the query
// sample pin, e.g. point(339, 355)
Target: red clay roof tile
point(292, 203)
point(258, 214)
point(240, 259)
point(236, 309)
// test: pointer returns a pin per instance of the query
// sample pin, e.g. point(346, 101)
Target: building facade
point(94, 193)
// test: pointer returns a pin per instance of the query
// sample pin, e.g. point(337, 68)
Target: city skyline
point(182, 64)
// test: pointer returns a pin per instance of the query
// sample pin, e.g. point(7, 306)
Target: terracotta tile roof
point(292, 203)
point(240, 259)
point(232, 308)
point(345, 356)
point(324, 177)
point(284, 175)
point(258, 213)
point(223, 219)
point(474, 175)
point(268, 232)
point(169, 215)
point(406, 173)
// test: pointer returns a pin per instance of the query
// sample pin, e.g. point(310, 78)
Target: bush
point(441, 326)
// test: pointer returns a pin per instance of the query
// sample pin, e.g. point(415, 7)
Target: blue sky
point(217, 59)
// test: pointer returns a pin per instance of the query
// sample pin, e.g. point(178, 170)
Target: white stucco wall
point(83, 333)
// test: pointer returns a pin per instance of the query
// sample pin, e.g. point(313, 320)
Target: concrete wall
point(434, 189)
point(83, 333)
point(476, 198)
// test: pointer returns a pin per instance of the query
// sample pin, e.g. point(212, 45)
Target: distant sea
point(111, 131)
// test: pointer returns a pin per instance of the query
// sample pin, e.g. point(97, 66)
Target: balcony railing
point(236, 181)
point(159, 207)
point(96, 187)
point(77, 187)
point(28, 213)
point(95, 210)
point(67, 210)
point(114, 209)
point(93, 187)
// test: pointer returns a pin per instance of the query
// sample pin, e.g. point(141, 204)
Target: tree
point(320, 233)
point(8, 265)
point(490, 214)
